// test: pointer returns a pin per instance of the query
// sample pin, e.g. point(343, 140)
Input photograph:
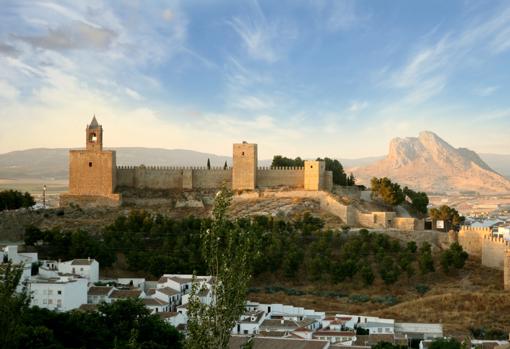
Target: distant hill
point(430, 164)
point(53, 163)
point(43, 163)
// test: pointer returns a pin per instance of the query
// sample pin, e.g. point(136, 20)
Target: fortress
point(493, 251)
point(94, 177)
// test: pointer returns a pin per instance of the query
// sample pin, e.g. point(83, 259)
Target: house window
point(81, 269)
point(59, 302)
point(245, 331)
point(59, 292)
point(90, 164)
point(50, 301)
point(45, 301)
point(50, 292)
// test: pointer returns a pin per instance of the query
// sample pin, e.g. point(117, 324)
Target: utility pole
point(44, 196)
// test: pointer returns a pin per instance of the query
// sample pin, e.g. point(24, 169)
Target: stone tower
point(244, 172)
point(94, 133)
point(92, 172)
point(506, 270)
point(314, 175)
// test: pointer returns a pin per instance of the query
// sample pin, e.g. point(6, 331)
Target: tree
point(225, 166)
point(281, 161)
point(449, 215)
point(12, 304)
point(454, 256)
point(419, 200)
point(443, 343)
point(13, 199)
point(367, 275)
point(389, 192)
point(226, 249)
point(425, 260)
point(208, 164)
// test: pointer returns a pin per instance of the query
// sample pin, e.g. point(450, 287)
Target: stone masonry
point(94, 177)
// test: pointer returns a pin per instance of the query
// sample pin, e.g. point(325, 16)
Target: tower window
point(90, 164)
point(242, 153)
point(93, 137)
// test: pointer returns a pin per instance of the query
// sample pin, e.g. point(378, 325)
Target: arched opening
point(93, 137)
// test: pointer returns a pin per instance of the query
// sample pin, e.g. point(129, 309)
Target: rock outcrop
point(430, 164)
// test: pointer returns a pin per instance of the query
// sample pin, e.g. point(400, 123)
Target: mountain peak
point(429, 163)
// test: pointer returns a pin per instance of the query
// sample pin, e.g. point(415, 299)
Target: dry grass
point(472, 298)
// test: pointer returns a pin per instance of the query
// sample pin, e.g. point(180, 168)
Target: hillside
point(430, 164)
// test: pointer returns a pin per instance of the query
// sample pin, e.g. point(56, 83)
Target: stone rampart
point(292, 177)
point(408, 223)
point(494, 251)
point(112, 200)
point(471, 239)
point(150, 177)
point(210, 179)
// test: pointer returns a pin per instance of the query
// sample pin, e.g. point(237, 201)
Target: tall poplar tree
point(227, 250)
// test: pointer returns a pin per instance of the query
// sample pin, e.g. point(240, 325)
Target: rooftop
point(82, 261)
point(99, 290)
point(126, 294)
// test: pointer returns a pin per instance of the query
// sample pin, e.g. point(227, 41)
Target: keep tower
point(92, 172)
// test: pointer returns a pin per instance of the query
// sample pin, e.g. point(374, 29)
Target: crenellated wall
point(292, 177)
point(161, 177)
point(494, 251)
point(471, 239)
point(210, 179)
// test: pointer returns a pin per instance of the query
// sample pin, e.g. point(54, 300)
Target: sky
point(307, 78)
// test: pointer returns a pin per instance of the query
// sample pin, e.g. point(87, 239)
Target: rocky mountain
point(429, 163)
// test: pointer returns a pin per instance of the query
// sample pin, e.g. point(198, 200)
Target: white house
point(175, 319)
point(124, 294)
point(87, 268)
point(333, 336)
point(156, 305)
point(133, 282)
point(249, 323)
point(99, 294)
point(60, 294)
point(10, 253)
point(168, 295)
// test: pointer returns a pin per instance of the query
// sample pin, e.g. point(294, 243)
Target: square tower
point(314, 174)
point(244, 172)
point(92, 172)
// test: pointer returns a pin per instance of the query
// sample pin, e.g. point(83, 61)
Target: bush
point(13, 199)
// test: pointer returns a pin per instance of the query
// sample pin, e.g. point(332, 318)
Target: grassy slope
point(472, 297)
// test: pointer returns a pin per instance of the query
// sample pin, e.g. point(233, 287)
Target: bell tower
point(92, 172)
point(94, 134)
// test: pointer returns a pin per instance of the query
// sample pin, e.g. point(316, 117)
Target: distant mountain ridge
point(429, 163)
point(44, 163)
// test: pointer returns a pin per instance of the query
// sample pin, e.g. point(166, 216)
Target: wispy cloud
point(263, 39)
point(429, 68)
point(357, 106)
point(485, 91)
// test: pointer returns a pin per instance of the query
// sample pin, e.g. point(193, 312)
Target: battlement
point(173, 168)
point(480, 230)
point(497, 240)
point(278, 168)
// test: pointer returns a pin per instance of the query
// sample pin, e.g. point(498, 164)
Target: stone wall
point(152, 177)
point(408, 223)
point(292, 177)
point(494, 252)
point(471, 239)
point(213, 178)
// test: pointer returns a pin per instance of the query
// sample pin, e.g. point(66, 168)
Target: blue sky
point(298, 77)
